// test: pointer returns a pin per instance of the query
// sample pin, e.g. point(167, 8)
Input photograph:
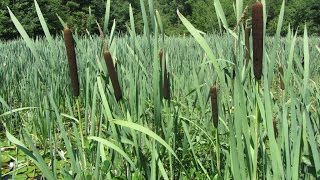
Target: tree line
point(82, 15)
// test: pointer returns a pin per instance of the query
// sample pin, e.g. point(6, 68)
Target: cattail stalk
point(166, 79)
point(113, 74)
point(214, 105)
point(257, 36)
point(69, 43)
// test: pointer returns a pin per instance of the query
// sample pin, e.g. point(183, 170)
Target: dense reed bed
point(214, 122)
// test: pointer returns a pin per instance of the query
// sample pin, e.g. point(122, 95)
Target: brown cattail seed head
point(247, 44)
point(275, 129)
point(257, 36)
point(160, 57)
point(214, 105)
point(166, 79)
point(166, 86)
point(281, 78)
point(69, 43)
point(113, 74)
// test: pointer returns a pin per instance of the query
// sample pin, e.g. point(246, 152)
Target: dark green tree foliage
point(120, 12)
point(200, 12)
point(307, 12)
point(25, 11)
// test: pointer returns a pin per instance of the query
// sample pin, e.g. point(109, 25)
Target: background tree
point(201, 13)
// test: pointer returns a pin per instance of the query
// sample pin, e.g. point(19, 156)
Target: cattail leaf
point(63, 132)
point(41, 164)
point(143, 69)
point(187, 133)
point(290, 70)
point(276, 40)
point(114, 147)
point(64, 24)
point(221, 15)
point(306, 56)
point(239, 9)
point(24, 35)
point(132, 24)
point(106, 17)
point(34, 157)
point(144, 17)
point(280, 20)
point(112, 33)
point(161, 167)
point(152, 14)
point(312, 142)
point(104, 98)
point(285, 133)
point(69, 117)
point(159, 20)
point(296, 149)
point(274, 147)
point(148, 132)
point(17, 110)
point(202, 42)
point(44, 25)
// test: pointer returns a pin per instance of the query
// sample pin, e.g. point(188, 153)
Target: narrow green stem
point(256, 135)
point(218, 153)
point(81, 132)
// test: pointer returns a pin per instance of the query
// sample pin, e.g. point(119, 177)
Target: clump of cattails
point(166, 80)
point(113, 74)
point(69, 43)
point(214, 105)
point(282, 87)
point(257, 36)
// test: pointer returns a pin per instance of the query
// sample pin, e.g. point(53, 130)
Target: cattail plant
point(113, 74)
point(214, 105)
point(257, 43)
point(257, 36)
point(69, 43)
point(166, 80)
